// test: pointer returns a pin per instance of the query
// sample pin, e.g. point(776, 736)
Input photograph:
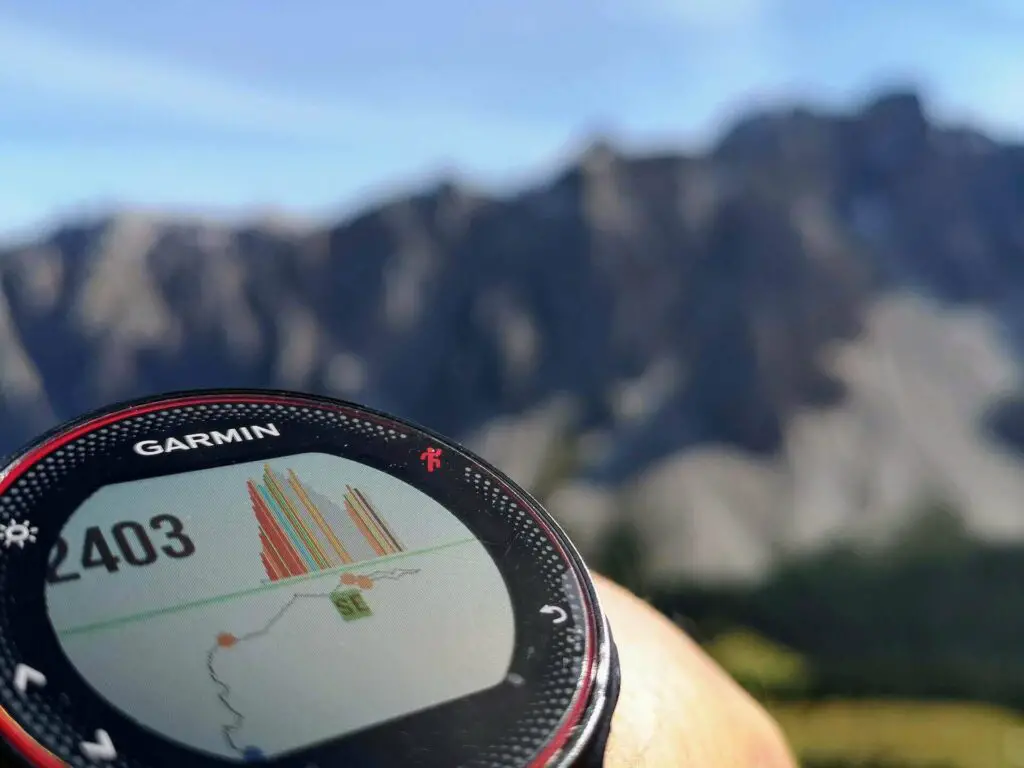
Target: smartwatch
point(225, 577)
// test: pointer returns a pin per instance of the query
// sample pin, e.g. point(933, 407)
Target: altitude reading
point(131, 539)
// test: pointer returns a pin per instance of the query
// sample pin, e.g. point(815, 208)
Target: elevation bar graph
point(302, 531)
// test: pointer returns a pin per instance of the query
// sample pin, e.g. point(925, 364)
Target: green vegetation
point(906, 658)
point(622, 558)
point(903, 733)
point(869, 733)
point(944, 627)
point(936, 532)
point(758, 664)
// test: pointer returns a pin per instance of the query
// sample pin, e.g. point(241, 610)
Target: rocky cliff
point(786, 342)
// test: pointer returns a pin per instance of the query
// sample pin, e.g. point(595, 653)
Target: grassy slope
point(888, 733)
point(904, 733)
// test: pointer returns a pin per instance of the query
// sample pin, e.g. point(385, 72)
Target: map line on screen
point(264, 587)
point(348, 599)
point(302, 531)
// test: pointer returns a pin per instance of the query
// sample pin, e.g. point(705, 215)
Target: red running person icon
point(432, 457)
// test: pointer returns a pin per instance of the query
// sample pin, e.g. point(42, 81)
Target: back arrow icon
point(24, 676)
point(561, 614)
point(101, 749)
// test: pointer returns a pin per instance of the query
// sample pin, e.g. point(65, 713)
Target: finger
point(677, 708)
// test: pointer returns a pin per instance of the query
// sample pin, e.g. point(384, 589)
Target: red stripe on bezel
point(41, 757)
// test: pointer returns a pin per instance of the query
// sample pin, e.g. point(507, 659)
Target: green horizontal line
point(107, 623)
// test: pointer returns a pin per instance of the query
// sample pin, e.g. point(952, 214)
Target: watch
point(224, 577)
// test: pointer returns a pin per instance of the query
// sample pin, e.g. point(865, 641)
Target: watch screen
point(211, 579)
point(276, 604)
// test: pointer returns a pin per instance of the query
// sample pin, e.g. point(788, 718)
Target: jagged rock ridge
point(746, 354)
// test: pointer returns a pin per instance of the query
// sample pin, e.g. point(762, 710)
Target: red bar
point(291, 561)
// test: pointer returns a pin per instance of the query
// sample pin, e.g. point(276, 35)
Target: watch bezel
point(592, 704)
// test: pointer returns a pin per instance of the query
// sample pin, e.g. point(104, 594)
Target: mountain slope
point(742, 355)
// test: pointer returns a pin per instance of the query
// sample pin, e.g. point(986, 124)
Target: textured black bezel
point(563, 671)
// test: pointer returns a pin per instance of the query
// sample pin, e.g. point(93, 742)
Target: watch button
point(24, 676)
point(560, 614)
point(100, 750)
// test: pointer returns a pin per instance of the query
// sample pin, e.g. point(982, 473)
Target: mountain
point(787, 342)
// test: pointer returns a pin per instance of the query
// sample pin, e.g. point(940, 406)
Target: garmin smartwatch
point(226, 577)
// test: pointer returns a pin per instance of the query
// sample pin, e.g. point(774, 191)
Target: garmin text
point(205, 440)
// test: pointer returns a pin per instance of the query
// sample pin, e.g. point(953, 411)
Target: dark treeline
point(940, 616)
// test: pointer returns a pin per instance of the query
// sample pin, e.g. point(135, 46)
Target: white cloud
point(36, 60)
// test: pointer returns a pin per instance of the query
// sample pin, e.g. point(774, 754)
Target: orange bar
point(298, 524)
point(392, 539)
point(358, 520)
point(273, 554)
point(367, 517)
point(289, 557)
point(271, 573)
point(300, 491)
point(271, 560)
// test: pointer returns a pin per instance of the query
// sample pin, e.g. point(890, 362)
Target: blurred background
point(735, 287)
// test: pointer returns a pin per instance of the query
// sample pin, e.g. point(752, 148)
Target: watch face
point(225, 578)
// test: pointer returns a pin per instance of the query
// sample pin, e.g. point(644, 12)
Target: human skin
point(677, 708)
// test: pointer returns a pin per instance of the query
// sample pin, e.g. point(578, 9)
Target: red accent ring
point(41, 757)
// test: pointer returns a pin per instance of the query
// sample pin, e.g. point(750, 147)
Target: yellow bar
point(381, 522)
point(367, 517)
point(293, 516)
point(300, 491)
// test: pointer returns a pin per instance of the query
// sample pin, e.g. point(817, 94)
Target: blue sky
point(313, 106)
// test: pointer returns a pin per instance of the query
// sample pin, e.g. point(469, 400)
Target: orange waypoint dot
point(226, 639)
point(364, 582)
point(348, 578)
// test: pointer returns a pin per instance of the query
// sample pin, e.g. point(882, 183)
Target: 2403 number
point(131, 539)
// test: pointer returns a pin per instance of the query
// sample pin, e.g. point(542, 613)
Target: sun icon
point(18, 533)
